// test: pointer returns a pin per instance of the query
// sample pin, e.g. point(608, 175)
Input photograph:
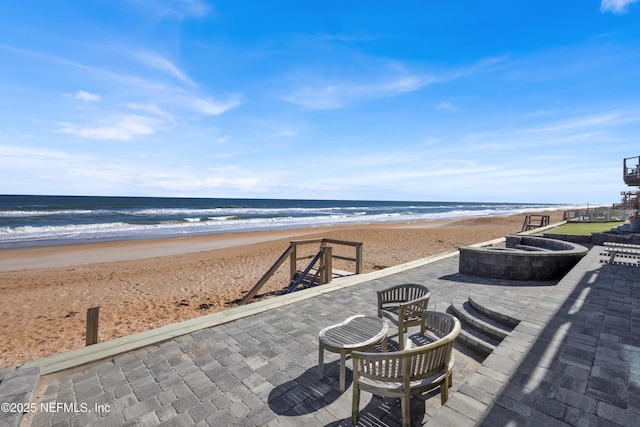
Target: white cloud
point(86, 96)
point(77, 173)
point(180, 9)
point(540, 113)
point(189, 184)
point(123, 127)
point(325, 97)
point(150, 108)
point(213, 108)
point(129, 80)
point(158, 62)
point(332, 93)
point(481, 65)
point(188, 8)
point(18, 154)
point(447, 106)
point(615, 6)
point(597, 121)
point(287, 132)
point(404, 84)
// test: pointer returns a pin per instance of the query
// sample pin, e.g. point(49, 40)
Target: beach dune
point(144, 284)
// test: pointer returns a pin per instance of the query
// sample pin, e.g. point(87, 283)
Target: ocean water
point(47, 220)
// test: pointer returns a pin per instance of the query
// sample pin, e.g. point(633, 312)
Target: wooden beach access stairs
point(531, 222)
point(317, 272)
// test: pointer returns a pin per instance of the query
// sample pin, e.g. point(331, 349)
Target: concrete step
point(499, 313)
point(478, 321)
point(475, 340)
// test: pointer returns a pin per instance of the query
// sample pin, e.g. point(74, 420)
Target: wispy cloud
point(124, 126)
point(616, 6)
point(212, 108)
point(18, 154)
point(481, 66)
point(180, 9)
point(150, 108)
point(84, 96)
point(602, 120)
point(342, 93)
point(130, 80)
point(287, 132)
point(540, 113)
point(88, 174)
point(352, 36)
point(446, 106)
point(160, 63)
point(117, 128)
point(393, 80)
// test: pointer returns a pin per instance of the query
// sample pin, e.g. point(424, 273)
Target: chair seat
point(396, 387)
point(393, 314)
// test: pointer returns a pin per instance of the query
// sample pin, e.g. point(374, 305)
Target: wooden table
point(354, 334)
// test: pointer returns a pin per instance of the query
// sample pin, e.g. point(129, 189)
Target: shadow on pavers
point(306, 393)
point(584, 366)
point(387, 411)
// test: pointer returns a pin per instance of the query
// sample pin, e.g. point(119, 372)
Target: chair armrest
point(415, 307)
point(408, 344)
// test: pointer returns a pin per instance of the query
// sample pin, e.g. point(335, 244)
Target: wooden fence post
point(326, 263)
point(293, 260)
point(92, 325)
point(359, 258)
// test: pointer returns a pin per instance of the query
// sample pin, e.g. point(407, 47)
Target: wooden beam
point(266, 276)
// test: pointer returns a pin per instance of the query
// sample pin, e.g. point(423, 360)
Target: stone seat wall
point(554, 259)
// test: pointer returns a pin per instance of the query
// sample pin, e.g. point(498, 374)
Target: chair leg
point(450, 379)
point(444, 392)
point(400, 337)
point(406, 411)
point(320, 362)
point(355, 406)
point(343, 368)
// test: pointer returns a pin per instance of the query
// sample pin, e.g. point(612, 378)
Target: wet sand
point(144, 284)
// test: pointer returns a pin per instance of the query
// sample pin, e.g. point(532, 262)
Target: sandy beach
point(145, 284)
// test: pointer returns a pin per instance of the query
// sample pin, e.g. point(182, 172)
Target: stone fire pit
point(523, 258)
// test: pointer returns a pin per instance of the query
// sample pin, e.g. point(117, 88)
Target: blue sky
point(504, 101)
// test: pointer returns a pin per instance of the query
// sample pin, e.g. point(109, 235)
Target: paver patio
point(574, 360)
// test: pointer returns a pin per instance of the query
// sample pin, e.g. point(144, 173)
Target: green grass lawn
point(584, 228)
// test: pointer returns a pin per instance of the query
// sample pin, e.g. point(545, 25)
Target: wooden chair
point(404, 306)
point(411, 371)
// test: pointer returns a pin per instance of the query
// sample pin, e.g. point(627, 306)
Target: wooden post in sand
point(92, 325)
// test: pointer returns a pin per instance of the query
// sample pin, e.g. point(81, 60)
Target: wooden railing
point(324, 272)
point(599, 214)
point(535, 221)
